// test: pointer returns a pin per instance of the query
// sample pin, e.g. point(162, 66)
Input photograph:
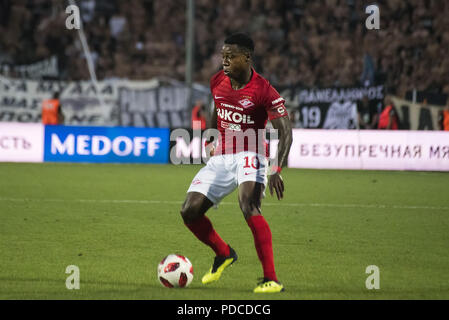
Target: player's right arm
point(212, 123)
point(213, 119)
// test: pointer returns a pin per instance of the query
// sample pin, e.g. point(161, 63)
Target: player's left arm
point(284, 129)
point(280, 120)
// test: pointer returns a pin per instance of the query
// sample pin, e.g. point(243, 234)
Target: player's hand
point(275, 182)
point(210, 148)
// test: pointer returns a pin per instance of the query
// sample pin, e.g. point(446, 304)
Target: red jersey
point(385, 116)
point(198, 122)
point(243, 114)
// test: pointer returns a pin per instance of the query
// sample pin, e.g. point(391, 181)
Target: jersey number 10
point(254, 162)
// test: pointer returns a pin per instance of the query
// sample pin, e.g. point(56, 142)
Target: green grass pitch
point(116, 222)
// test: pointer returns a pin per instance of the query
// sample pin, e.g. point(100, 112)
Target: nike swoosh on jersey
point(216, 97)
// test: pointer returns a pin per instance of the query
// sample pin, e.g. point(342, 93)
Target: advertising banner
point(163, 106)
point(152, 103)
point(187, 146)
point(103, 144)
point(329, 108)
point(44, 68)
point(416, 116)
point(370, 149)
point(21, 142)
point(21, 101)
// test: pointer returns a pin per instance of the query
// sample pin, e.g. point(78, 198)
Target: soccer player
point(244, 101)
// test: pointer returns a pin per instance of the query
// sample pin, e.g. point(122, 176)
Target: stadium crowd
point(298, 42)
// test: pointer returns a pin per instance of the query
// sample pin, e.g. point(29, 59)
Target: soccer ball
point(175, 271)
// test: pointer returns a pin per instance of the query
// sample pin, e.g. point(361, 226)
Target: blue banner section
point(106, 144)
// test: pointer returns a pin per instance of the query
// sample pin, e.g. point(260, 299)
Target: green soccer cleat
point(269, 286)
point(220, 263)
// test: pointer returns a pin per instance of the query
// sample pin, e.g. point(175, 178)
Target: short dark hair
point(242, 40)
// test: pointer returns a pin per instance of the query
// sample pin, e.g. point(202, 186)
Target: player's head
point(237, 54)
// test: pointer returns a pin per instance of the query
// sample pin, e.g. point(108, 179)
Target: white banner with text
point(21, 142)
point(370, 149)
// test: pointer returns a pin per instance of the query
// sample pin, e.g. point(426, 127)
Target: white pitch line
point(267, 204)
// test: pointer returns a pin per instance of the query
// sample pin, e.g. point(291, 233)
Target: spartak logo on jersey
point(246, 103)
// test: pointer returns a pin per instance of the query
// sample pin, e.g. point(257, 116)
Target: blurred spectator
point(367, 77)
point(116, 25)
point(88, 10)
point(199, 116)
point(443, 117)
point(388, 118)
point(298, 42)
point(52, 111)
point(295, 118)
point(367, 114)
